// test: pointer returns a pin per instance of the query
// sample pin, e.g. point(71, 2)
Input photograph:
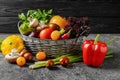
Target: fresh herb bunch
point(41, 15)
point(36, 16)
point(79, 27)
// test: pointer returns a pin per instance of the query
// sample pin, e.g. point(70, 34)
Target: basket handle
point(18, 25)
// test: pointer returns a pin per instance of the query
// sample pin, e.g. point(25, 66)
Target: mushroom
point(41, 26)
point(11, 57)
point(33, 22)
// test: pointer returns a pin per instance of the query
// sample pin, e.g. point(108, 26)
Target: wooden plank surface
point(104, 14)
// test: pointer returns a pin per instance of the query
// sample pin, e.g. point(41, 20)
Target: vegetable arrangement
point(64, 60)
point(88, 55)
point(44, 25)
point(93, 54)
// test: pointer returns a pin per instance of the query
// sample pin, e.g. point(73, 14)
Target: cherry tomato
point(54, 26)
point(45, 33)
point(64, 61)
point(49, 63)
point(55, 35)
point(23, 52)
point(21, 61)
point(28, 56)
point(41, 55)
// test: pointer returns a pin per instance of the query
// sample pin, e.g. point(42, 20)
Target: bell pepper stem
point(96, 38)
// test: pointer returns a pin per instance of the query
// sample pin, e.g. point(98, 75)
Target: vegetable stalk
point(72, 58)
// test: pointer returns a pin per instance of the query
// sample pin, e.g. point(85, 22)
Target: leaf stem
point(110, 41)
point(108, 56)
point(72, 58)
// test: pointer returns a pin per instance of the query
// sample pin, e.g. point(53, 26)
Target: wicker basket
point(53, 48)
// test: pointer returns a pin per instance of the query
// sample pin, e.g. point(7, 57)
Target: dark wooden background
point(104, 14)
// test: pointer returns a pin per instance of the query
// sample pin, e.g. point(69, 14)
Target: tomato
point(60, 21)
point(28, 56)
point(23, 52)
point(49, 63)
point(41, 55)
point(64, 61)
point(21, 61)
point(55, 35)
point(45, 33)
point(54, 26)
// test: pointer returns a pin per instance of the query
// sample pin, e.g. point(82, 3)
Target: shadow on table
point(112, 63)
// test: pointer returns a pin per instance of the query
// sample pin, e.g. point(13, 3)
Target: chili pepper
point(94, 52)
point(66, 35)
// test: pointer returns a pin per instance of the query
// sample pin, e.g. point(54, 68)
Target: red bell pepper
point(94, 52)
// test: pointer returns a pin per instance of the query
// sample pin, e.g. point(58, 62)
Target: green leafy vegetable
point(22, 17)
point(41, 15)
point(1, 40)
point(25, 29)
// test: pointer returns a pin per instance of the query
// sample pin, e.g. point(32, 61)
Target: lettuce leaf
point(25, 29)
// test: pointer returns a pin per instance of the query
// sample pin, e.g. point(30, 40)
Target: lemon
point(11, 42)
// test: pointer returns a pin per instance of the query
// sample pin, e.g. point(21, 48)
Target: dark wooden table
point(110, 70)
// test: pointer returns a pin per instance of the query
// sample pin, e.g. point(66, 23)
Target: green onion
point(72, 58)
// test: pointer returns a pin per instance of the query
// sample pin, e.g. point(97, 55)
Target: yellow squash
point(11, 42)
